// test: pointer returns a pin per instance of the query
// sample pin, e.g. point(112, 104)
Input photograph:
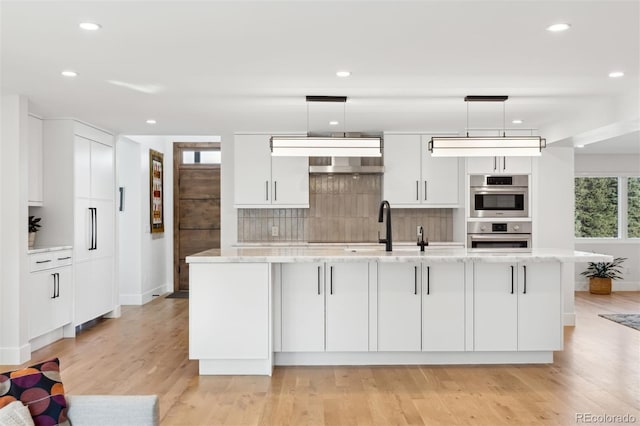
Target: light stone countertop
point(48, 249)
point(335, 253)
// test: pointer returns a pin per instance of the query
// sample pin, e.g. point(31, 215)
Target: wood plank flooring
point(146, 351)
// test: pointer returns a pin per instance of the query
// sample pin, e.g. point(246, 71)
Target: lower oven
point(499, 236)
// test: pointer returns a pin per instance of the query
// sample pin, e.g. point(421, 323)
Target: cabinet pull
point(425, 190)
point(495, 166)
point(318, 280)
point(511, 279)
point(266, 189)
point(54, 286)
point(331, 280)
point(64, 258)
point(417, 190)
point(428, 280)
point(504, 163)
point(524, 268)
point(275, 190)
point(43, 261)
point(57, 284)
point(91, 213)
point(415, 280)
point(95, 230)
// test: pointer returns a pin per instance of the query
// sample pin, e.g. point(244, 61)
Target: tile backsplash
point(342, 209)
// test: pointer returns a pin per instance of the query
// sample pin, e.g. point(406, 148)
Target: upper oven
point(499, 196)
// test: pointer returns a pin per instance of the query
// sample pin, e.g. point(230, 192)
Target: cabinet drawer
point(41, 261)
point(62, 258)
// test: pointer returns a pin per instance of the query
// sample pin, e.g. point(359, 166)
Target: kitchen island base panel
point(235, 367)
point(411, 358)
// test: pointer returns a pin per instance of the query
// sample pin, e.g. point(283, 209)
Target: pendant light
point(326, 146)
point(486, 146)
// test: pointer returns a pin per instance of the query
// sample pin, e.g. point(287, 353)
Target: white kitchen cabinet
point(413, 178)
point(509, 315)
point(80, 178)
point(36, 183)
point(499, 165)
point(303, 294)
point(347, 307)
point(50, 292)
point(399, 290)
point(443, 307)
point(262, 181)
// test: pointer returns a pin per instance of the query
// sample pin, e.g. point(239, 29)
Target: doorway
point(196, 201)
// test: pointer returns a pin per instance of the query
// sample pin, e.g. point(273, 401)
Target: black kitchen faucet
point(387, 240)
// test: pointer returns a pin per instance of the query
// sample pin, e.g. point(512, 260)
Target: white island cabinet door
point(347, 307)
point(443, 309)
point(252, 170)
point(229, 312)
point(539, 307)
point(399, 292)
point(303, 307)
point(402, 179)
point(495, 307)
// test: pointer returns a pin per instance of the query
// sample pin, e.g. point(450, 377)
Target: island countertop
point(284, 254)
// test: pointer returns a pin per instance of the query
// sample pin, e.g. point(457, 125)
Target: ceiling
point(625, 144)
point(213, 67)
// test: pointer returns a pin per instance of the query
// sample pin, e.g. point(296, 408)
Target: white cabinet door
point(290, 181)
point(495, 307)
point(516, 165)
point(252, 170)
point(399, 292)
point(499, 165)
point(303, 307)
point(402, 179)
point(93, 289)
point(443, 307)
point(36, 166)
point(539, 307)
point(41, 291)
point(347, 307)
point(102, 172)
point(440, 178)
point(82, 167)
point(61, 310)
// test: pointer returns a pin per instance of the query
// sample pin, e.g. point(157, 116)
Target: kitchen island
point(253, 308)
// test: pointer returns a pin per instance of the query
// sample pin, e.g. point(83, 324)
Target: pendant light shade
point(486, 146)
point(302, 146)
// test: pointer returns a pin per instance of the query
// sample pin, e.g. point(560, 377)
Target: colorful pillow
point(38, 387)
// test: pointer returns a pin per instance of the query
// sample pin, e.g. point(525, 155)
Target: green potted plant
point(601, 273)
point(33, 228)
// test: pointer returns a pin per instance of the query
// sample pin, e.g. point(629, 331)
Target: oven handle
point(511, 236)
point(483, 190)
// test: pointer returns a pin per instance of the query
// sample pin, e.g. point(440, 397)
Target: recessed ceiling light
point(333, 123)
point(516, 121)
point(616, 74)
point(343, 73)
point(151, 121)
point(579, 146)
point(555, 28)
point(90, 26)
point(69, 73)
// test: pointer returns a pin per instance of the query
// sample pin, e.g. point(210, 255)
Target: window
point(607, 207)
point(633, 207)
point(201, 157)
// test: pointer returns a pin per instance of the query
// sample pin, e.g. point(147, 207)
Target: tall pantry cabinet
point(80, 211)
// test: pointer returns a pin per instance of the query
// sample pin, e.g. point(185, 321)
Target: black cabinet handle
point(266, 189)
point(57, 284)
point(64, 258)
point(495, 163)
point(524, 268)
point(428, 279)
point(331, 280)
point(95, 230)
point(511, 279)
point(415, 280)
point(92, 225)
point(318, 280)
point(54, 286)
point(504, 163)
point(43, 261)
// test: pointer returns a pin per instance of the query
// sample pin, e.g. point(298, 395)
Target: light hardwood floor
point(146, 351)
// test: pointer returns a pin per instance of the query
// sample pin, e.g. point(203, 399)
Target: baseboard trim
point(138, 299)
point(569, 319)
point(615, 286)
point(15, 355)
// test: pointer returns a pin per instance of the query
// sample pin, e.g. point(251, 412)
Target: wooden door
point(196, 200)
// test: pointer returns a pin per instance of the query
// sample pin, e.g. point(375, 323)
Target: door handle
point(266, 189)
point(428, 280)
point(494, 163)
point(425, 190)
point(57, 284)
point(95, 229)
point(43, 261)
point(64, 258)
point(511, 279)
point(331, 280)
point(524, 268)
point(415, 280)
point(92, 225)
point(275, 190)
point(504, 163)
point(417, 190)
point(54, 286)
point(318, 280)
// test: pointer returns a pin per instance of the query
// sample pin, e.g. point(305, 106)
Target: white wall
point(552, 210)
point(14, 345)
point(619, 164)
